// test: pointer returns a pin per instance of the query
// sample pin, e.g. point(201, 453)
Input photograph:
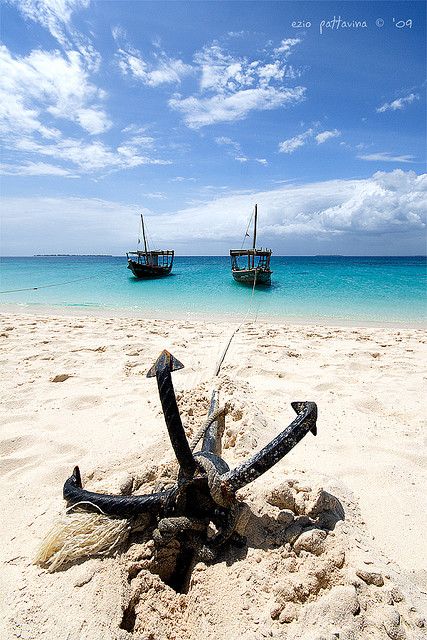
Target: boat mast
point(254, 243)
point(143, 233)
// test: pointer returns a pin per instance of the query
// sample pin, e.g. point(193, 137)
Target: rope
point(224, 353)
point(201, 431)
point(57, 284)
point(214, 482)
point(45, 286)
point(214, 478)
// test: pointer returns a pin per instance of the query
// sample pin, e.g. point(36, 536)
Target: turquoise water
point(310, 288)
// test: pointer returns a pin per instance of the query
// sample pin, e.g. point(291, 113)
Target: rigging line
point(55, 284)
point(147, 236)
point(247, 229)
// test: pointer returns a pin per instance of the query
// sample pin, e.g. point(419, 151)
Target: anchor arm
point(113, 505)
point(275, 450)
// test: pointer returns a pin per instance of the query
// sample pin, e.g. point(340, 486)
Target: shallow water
point(313, 288)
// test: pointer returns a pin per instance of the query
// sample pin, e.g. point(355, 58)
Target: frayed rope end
point(78, 535)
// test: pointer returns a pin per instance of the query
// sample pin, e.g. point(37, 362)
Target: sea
point(310, 289)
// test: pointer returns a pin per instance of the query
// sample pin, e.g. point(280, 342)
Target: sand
point(75, 392)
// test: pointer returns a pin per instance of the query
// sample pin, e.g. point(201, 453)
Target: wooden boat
point(149, 263)
point(251, 266)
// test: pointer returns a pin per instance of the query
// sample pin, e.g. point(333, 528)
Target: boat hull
point(146, 271)
point(251, 276)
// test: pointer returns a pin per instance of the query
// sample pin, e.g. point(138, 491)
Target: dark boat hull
point(148, 271)
point(251, 276)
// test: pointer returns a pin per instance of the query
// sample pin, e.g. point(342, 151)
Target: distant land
point(73, 255)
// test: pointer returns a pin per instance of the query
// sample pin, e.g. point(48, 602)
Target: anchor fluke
point(299, 407)
point(165, 358)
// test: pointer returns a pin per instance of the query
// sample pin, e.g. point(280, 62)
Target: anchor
point(201, 509)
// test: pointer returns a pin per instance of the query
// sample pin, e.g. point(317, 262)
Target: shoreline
point(83, 311)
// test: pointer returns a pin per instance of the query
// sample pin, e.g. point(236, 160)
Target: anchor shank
point(212, 438)
point(173, 421)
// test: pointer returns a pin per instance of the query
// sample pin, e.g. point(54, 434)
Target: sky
point(192, 112)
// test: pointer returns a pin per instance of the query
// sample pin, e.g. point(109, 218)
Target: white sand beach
point(74, 391)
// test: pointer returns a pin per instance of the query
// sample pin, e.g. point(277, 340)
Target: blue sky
point(193, 111)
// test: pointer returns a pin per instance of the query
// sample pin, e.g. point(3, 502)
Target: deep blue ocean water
point(391, 289)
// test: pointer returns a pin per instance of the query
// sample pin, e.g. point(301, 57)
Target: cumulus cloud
point(162, 70)
point(38, 93)
point(231, 87)
point(221, 73)
point(399, 104)
point(199, 112)
point(42, 85)
point(384, 203)
point(392, 204)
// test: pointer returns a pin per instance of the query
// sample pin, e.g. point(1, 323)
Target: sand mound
point(305, 571)
point(303, 574)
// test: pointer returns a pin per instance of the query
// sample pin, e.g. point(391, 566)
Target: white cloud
point(37, 93)
point(261, 161)
point(287, 45)
point(93, 120)
point(292, 144)
point(199, 112)
point(88, 225)
point(163, 70)
point(55, 16)
point(222, 73)
point(231, 87)
point(35, 169)
point(119, 33)
point(45, 84)
point(183, 179)
point(155, 195)
point(398, 104)
point(271, 71)
point(225, 140)
point(327, 135)
point(385, 156)
point(233, 148)
point(236, 34)
point(386, 203)
point(91, 157)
